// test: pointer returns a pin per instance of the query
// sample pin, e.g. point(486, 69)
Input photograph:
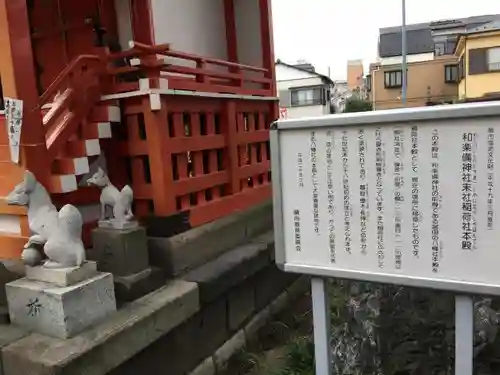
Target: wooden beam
point(18, 79)
point(231, 32)
point(160, 159)
point(142, 21)
point(266, 28)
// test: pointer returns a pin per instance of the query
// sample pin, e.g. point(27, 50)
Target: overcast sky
point(330, 32)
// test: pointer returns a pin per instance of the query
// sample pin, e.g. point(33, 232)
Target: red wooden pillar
point(160, 162)
point(19, 81)
point(230, 129)
point(231, 36)
point(266, 28)
point(142, 21)
point(266, 25)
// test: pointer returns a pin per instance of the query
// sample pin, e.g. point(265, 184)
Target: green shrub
point(357, 105)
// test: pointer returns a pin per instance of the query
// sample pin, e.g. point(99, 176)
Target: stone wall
point(232, 290)
point(222, 285)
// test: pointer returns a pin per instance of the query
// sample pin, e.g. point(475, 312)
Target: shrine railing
point(197, 159)
point(186, 71)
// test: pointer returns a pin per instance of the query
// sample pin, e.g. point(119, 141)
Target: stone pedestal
point(10, 270)
point(124, 253)
point(120, 225)
point(61, 302)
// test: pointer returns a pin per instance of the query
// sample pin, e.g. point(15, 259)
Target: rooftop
point(419, 35)
point(306, 67)
point(491, 26)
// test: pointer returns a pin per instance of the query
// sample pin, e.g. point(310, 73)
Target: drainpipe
point(403, 53)
point(466, 68)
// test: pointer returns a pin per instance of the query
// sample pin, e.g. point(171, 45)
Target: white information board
point(409, 196)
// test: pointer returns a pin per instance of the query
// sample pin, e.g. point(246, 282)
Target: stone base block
point(60, 312)
point(121, 252)
point(62, 276)
point(129, 288)
point(4, 315)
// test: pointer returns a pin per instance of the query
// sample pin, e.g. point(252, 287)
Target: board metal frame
point(384, 118)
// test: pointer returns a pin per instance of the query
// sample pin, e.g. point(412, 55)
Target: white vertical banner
point(283, 113)
point(14, 123)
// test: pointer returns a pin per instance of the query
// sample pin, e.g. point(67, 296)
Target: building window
point(393, 79)
point(444, 45)
point(484, 60)
point(451, 73)
point(450, 47)
point(493, 59)
point(307, 96)
point(439, 48)
point(368, 83)
point(461, 68)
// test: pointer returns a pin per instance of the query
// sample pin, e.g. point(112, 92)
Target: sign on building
point(283, 113)
point(407, 196)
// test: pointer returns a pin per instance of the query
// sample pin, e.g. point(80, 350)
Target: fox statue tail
point(127, 197)
point(80, 257)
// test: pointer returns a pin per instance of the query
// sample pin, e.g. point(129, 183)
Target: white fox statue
point(60, 233)
point(120, 201)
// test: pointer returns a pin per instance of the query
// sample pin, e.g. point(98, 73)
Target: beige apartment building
point(432, 66)
point(429, 83)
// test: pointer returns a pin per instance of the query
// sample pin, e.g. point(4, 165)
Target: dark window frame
point(369, 83)
point(394, 76)
point(441, 51)
point(461, 68)
point(451, 73)
point(319, 96)
point(479, 62)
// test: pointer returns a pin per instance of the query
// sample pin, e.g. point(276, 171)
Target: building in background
point(340, 96)
point(302, 91)
point(432, 63)
point(355, 75)
point(478, 51)
point(355, 87)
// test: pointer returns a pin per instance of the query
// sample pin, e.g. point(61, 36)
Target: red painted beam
point(266, 25)
point(231, 36)
point(142, 21)
point(19, 81)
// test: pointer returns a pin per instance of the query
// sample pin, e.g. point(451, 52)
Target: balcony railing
point(185, 71)
point(198, 158)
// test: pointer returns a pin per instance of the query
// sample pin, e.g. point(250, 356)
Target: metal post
point(404, 68)
point(321, 322)
point(464, 335)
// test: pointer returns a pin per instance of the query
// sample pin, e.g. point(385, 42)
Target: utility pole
point(404, 68)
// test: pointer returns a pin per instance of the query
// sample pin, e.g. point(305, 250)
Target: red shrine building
point(172, 97)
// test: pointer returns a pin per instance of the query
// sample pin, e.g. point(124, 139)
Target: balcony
point(184, 72)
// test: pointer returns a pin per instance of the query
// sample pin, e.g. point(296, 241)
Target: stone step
point(62, 183)
point(96, 130)
point(105, 113)
point(78, 148)
point(116, 339)
point(177, 253)
point(231, 268)
point(76, 166)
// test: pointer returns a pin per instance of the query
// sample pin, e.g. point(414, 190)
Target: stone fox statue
point(58, 232)
point(121, 201)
